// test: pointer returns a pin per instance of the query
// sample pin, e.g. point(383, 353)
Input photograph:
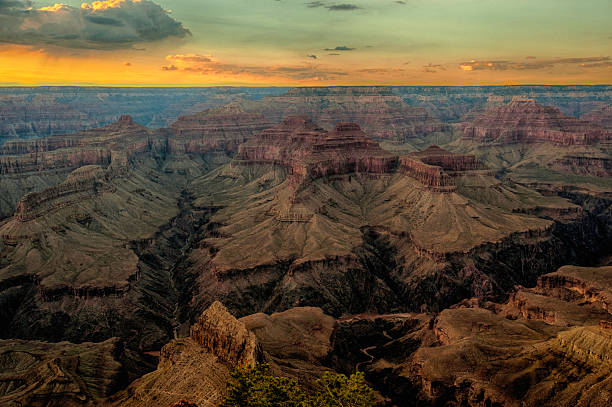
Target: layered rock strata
point(525, 121)
point(434, 167)
point(219, 333)
point(379, 112)
point(195, 369)
point(62, 374)
point(223, 128)
point(544, 347)
point(601, 116)
point(310, 152)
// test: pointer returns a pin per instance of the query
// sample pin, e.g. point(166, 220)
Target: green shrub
point(255, 386)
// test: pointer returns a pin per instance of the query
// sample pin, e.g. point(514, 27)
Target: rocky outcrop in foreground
point(219, 333)
point(63, 374)
point(547, 346)
point(195, 369)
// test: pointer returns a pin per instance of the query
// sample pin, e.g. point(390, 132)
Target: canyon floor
point(455, 247)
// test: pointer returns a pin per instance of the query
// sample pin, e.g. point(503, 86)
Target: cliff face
point(601, 116)
point(295, 343)
point(455, 103)
point(32, 112)
point(525, 121)
point(431, 176)
point(310, 152)
point(219, 333)
point(62, 374)
point(223, 128)
point(546, 346)
point(380, 113)
point(119, 140)
point(585, 165)
point(38, 116)
point(435, 167)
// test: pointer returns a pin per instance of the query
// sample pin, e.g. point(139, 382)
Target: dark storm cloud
point(105, 25)
point(339, 48)
point(312, 56)
point(343, 7)
point(333, 7)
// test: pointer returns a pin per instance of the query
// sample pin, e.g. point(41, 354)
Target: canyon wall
point(525, 121)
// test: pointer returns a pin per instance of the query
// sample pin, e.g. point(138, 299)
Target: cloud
point(312, 56)
point(334, 54)
point(340, 48)
point(380, 70)
point(433, 68)
point(400, 2)
point(110, 24)
point(503, 65)
point(343, 7)
point(602, 64)
point(207, 65)
point(333, 7)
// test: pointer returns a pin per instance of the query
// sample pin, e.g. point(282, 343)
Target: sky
point(306, 43)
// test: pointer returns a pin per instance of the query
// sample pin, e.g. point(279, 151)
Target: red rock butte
point(525, 121)
point(309, 151)
point(434, 167)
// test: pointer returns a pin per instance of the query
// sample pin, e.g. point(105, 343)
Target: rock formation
point(601, 116)
point(222, 128)
point(132, 232)
point(455, 103)
point(379, 112)
point(525, 121)
point(434, 167)
point(33, 112)
point(305, 217)
point(195, 369)
point(310, 152)
point(62, 374)
point(219, 333)
point(545, 347)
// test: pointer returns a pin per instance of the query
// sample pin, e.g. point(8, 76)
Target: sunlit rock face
point(525, 121)
point(221, 129)
point(309, 151)
point(435, 167)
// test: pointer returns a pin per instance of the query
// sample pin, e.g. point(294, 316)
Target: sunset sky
point(293, 42)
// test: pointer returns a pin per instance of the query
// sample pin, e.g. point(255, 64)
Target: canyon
point(314, 229)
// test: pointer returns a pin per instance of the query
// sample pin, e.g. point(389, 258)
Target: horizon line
point(13, 85)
